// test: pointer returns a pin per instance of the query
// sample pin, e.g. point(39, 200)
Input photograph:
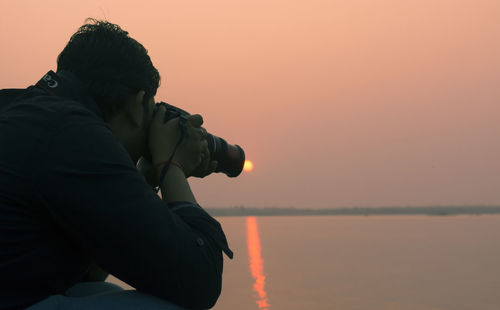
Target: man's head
point(113, 65)
point(118, 74)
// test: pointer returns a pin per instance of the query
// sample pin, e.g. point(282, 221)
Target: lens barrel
point(230, 158)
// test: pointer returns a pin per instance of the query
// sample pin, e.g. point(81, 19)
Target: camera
point(230, 158)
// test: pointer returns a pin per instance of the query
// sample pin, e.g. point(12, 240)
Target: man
point(73, 204)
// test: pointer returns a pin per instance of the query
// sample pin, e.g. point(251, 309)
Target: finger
point(204, 148)
point(199, 161)
point(203, 133)
point(207, 168)
point(158, 116)
point(213, 166)
point(206, 162)
point(205, 155)
point(195, 120)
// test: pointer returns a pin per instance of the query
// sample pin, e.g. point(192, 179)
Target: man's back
point(36, 256)
point(70, 195)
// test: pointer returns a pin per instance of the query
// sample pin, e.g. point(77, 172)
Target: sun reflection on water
point(256, 263)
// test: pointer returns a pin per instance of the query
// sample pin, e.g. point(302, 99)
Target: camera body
point(230, 158)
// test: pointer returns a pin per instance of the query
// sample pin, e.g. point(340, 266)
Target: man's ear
point(135, 108)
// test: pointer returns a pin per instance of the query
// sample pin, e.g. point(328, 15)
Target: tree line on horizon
point(423, 210)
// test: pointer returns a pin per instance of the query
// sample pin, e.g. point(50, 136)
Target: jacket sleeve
point(96, 196)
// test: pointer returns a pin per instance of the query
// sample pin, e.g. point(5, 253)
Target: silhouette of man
point(81, 153)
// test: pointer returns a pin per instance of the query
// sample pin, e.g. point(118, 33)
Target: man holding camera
point(81, 152)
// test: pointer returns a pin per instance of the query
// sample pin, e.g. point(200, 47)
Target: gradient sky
point(338, 103)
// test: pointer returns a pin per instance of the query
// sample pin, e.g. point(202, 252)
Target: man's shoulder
point(36, 103)
point(10, 94)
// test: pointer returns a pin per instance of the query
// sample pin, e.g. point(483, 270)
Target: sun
point(247, 166)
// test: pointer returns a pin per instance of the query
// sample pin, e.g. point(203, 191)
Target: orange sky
point(338, 103)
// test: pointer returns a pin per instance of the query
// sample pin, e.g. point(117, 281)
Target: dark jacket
point(70, 195)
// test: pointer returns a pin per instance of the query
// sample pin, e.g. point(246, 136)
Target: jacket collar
point(65, 84)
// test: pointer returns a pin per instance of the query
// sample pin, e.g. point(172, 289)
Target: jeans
point(100, 296)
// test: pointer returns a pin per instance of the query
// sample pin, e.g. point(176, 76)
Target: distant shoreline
point(430, 210)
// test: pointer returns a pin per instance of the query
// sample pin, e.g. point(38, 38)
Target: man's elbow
point(195, 290)
point(207, 289)
point(201, 281)
point(207, 297)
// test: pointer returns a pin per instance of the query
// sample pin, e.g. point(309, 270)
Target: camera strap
point(184, 135)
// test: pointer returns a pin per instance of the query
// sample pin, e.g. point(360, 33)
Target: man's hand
point(206, 167)
point(192, 154)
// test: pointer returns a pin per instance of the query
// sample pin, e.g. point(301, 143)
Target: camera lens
point(230, 158)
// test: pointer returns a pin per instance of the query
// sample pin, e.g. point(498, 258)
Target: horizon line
point(408, 210)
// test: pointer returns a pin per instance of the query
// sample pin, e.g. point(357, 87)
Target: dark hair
point(112, 65)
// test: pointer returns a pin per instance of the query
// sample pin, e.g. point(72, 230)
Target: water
point(362, 262)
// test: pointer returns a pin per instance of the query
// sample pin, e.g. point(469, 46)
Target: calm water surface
point(362, 262)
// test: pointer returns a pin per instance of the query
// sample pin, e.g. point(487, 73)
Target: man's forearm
point(175, 186)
